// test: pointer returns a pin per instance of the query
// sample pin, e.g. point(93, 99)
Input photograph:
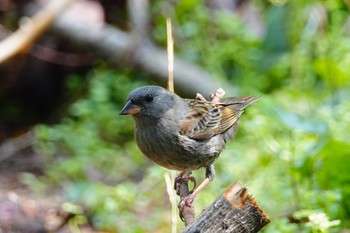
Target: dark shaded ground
point(22, 209)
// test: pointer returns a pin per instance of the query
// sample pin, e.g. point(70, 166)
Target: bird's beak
point(130, 109)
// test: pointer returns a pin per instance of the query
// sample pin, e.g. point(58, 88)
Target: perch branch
point(187, 213)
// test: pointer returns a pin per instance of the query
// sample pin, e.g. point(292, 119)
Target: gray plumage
point(182, 134)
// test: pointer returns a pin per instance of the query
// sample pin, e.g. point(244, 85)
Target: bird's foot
point(186, 202)
point(179, 180)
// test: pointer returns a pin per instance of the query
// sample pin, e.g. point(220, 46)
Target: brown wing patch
point(201, 121)
point(229, 117)
point(205, 119)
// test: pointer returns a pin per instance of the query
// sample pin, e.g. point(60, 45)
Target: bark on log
point(234, 211)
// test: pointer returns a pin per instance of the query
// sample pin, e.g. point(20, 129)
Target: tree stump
point(234, 211)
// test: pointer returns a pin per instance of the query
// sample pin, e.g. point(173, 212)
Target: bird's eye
point(149, 98)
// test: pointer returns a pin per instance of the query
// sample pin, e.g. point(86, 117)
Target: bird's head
point(148, 101)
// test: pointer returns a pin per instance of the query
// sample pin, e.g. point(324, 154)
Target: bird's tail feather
point(239, 103)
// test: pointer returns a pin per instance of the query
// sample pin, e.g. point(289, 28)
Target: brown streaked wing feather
point(202, 120)
point(205, 120)
point(232, 109)
point(229, 118)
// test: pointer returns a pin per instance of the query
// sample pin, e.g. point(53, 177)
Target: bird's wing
point(238, 103)
point(204, 119)
point(232, 108)
point(201, 121)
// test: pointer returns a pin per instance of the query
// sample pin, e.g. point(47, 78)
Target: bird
point(183, 134)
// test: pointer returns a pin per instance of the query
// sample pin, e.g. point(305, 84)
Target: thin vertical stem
point(170, 49)
point(169, 180)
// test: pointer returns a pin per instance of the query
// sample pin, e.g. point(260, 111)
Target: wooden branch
point(139, 18)
point(234, 211)
point(114, 45)
point(30, 30)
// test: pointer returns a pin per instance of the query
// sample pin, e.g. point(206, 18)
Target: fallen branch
point(31, 30)
point(235, 211)
point(115, 46)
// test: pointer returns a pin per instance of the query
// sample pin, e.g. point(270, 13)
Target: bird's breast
point(174, 151)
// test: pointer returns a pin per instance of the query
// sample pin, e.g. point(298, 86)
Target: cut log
point(235, 211)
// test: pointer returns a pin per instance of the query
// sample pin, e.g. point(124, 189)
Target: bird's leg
point(188, 201)
point(184, 176)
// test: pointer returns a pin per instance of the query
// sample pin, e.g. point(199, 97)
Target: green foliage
point(308, 164)
point(91, 156)
point(292, 150)
point(214, 39)
point(94, 119)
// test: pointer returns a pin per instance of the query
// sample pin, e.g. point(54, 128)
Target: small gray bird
point(183, 134)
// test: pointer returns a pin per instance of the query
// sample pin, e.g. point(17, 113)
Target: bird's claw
point(179, 180)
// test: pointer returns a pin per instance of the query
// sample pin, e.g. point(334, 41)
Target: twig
point(170, 49)
point(169, 180)
point(217, 95)
point(187, 214)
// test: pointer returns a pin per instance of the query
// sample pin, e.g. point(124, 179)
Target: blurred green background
point(292, 150)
